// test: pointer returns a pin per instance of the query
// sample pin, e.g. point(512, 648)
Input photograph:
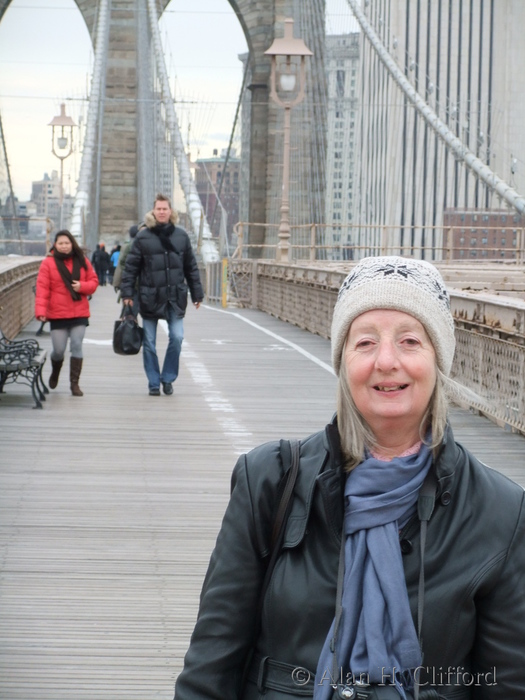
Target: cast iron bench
point(22, 361)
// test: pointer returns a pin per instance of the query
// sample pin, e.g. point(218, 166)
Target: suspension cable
point(458, 148)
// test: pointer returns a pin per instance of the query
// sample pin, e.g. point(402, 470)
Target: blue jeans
point(170, 368)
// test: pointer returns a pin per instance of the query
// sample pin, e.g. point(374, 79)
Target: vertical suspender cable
point(239, 104)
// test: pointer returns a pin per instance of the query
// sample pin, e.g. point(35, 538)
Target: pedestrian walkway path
point(110, 503)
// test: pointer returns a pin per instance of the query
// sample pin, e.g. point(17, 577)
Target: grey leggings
point(59, 339)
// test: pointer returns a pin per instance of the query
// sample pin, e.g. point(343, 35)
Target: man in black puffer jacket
point(162, 260)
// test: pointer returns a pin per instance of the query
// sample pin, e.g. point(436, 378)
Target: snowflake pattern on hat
point(419, 274)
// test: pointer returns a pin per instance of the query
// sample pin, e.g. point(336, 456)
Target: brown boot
point(75, 367)
point(53, 379)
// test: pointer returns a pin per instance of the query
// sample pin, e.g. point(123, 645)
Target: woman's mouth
point(386, 389)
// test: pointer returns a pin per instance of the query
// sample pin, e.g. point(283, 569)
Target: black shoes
point(167, 388)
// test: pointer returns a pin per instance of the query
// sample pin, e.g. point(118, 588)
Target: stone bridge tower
point(119, 177)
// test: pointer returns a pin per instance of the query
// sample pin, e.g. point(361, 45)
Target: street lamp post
point(62, 146)
point(288, 63)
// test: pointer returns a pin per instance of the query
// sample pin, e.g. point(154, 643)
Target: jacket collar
point(322, 467)
point(151, 221)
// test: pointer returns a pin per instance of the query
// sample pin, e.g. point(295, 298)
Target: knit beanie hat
point(391, 282)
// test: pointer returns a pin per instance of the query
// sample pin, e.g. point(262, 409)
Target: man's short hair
point(162, 198)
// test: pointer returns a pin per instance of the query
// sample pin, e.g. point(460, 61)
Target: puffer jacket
point(473, 633)
point(53, 299)
point(163, 276)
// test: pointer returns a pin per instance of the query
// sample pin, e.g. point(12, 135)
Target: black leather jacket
point(163, 275)
point(474, 603)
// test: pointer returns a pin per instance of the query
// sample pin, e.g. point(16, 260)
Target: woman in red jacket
point(65, 280)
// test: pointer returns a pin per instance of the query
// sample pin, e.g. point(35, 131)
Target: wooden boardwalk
point(110, 504)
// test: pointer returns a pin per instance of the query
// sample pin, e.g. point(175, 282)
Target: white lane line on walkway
point(240, 437)
point(296, 347)
point(92, 341)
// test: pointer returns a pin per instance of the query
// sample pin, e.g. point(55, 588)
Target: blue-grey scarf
point(376, 639)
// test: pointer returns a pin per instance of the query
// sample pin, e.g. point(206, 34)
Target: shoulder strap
point(279, 526)
point(281, 517)
point(283, 510)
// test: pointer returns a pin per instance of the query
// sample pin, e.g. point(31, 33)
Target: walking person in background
point(401, 570)
point(65, 280)
point(161, 260)
point(100, 261)
point(117, 277)
point(113, 262)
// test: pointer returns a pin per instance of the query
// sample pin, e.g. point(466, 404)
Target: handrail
point(449, 251)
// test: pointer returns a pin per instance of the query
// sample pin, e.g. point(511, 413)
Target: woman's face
point(391, 370)
point(63, 245)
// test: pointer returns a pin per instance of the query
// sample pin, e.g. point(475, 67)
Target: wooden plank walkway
point(110, 504)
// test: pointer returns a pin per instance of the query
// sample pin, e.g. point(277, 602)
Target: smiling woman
point(400, 571)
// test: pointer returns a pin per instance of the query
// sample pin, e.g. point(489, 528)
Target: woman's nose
point(387, 357)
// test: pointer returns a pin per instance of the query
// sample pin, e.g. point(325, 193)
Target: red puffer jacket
point(53, 299)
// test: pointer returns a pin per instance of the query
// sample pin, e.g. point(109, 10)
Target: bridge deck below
point(110, 504)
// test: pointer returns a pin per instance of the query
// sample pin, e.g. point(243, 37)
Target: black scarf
point(67, 276)
point(164, 232)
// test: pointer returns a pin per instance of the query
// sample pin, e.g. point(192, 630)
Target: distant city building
point(21, 231)
point(214, 177)
point(483, 234)
point(45, 194)
point(342, 53)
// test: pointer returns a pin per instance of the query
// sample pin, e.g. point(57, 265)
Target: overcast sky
point(46, 58)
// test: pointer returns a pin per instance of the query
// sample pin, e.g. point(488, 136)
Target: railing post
point(224, 283)
point(238, 229)
point(255, 280)
point(449, 243)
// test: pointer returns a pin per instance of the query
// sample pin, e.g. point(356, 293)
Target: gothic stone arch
point(119, 178)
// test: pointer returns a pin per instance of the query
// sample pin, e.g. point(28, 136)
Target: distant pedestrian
point(113, 262)
point(100, 261)
point(117, 277)
point(65, 281)
point(161, 259)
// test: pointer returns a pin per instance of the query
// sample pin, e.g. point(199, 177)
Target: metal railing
point(309, 242)
point(28, 241)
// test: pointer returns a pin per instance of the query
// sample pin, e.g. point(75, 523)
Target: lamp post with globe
point(62, 146)
point(288, 70)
